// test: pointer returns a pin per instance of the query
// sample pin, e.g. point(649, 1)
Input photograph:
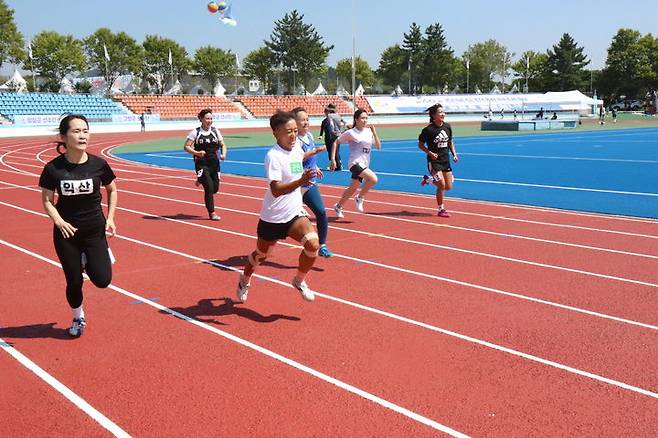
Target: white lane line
point(478, 181)
point(410, 321)
point(107, 152)
point(74, 398)
point(355, 259)
point(290, 362)
point(442, 225)
point(535, 157)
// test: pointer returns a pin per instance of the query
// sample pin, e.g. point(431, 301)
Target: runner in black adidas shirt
point(204, 143)
point(436, 141)
point(79, 232)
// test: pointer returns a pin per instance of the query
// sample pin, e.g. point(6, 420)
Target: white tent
point(175, 89)
point(15, 83)
point(301, 90)
point(66, 86)
point(456, 90)
point(341, 91)
point(320, 91)
point(477, 90)
point(494, 90)
point(514, 89)
point(359, 90)
point(397, 91)
point(219, 89)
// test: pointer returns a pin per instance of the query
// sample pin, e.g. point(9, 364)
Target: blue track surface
point(607, 171)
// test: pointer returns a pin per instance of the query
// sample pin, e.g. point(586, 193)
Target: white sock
point(78, 312)
point(300, 276)
point(441, 207)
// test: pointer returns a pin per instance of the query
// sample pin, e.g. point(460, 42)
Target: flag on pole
point(107, 55)
point(527, 63)
point(170, 61)
point(29, 50)
point(237, 61)
point(468, 64)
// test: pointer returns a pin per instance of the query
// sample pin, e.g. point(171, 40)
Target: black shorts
point(435, 166)
point(356, 170)
point(274, 231)
point(202, 168)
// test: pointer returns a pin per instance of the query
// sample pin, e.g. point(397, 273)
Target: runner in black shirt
point(436, 140)
point(204, 143)
point(79, 231)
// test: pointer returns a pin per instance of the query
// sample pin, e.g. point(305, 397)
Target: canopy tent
point(477, 90)
point(66, 86)
point(397, 91)
point(219, 89)
point(494, 90)
point(175, 89)
point(566, 101)
point(319, 91)
point(359, 90)
point(341, 91)
point(456, 90)
point(15, 83)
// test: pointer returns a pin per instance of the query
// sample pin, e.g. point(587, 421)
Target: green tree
point(487, 60)
point(531, 65)
point(159, 73)
point(126, 55)
point(56, 56)
point(628, 67)
point(258, 64)
point(436, 59)
point(649, 46)
point(362, 72)
point(392, 66)
point(565, 67)
point(412, 46)
point(11, 40)
point(298, 48)
point(213, 62)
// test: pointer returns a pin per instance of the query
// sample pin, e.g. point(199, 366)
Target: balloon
point(214, 7)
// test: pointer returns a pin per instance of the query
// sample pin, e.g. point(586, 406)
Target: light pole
point(468, 74)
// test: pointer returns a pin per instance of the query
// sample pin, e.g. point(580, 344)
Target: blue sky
point(518, 24)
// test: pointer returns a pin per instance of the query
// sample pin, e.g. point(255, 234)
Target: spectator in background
point(331, 128)
point(540, 114)
point(554, 117)
point(614, 115)
point(142, 122)
point(602, 115)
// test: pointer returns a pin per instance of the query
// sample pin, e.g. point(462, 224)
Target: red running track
point(503, 320)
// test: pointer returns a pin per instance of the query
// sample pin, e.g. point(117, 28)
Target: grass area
point(398, 132)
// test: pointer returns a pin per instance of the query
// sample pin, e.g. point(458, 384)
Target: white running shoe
point(339, 211)
point(243, 289)
point(78, 327)
point(303, 289)
point(359, 203)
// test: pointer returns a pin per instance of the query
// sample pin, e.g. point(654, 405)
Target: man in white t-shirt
point(282, 214)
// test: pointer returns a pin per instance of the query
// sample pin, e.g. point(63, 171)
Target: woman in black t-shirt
point(436, 141)
point(204, 144)
point(80, 226)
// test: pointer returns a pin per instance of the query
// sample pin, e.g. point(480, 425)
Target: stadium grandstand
point(177, 107)
point(16, 106)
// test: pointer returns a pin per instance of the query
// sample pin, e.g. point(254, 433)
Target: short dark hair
point(280, 118)
point(203, 113)
point(65, 125)
point(297, 110)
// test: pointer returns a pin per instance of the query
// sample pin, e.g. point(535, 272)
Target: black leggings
point(99, 269)
point(209, 179)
